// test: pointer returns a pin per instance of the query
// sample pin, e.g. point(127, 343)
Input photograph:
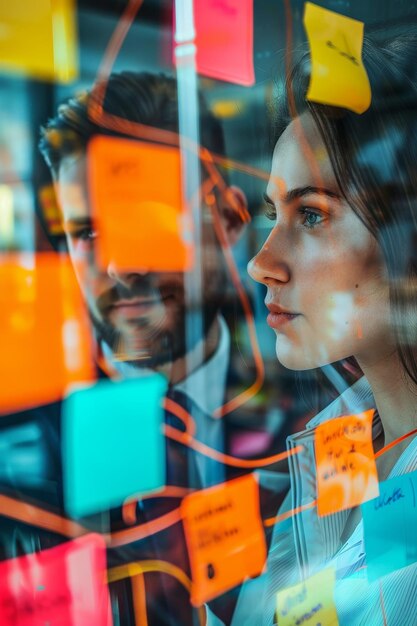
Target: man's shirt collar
point(205, 386)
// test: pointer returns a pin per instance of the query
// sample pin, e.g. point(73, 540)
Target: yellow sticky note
point(39, 39)
point(338, 76)
point(309, 603)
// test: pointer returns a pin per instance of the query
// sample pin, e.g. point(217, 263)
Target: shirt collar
point(205, 386)
point(355, 399)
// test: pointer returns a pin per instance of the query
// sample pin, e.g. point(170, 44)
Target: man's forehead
point(71, 186)
point(73, 166)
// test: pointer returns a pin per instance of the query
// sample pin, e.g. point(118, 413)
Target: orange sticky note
point(135, 190)
point(39, 39)
point(65, 585)
point(44, 330)
point(224, 535)
point(345, 463)
point(224, 30)
point(338, 76)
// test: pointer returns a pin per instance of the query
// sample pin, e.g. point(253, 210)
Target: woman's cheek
point(340, 315)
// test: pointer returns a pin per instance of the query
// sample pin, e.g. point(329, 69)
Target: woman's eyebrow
point(299, 192)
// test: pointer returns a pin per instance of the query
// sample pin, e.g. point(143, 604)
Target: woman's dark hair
point(374, 158)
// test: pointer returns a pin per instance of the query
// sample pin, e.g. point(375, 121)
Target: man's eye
point(85, 234)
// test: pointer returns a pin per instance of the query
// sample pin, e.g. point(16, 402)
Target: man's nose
point(122, 276)
point(270, 266)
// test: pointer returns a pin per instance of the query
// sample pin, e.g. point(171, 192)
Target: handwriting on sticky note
point(386, 498)
point(346, 55)
point(389, 524)
point(309, 603)
point(224, 30)
point(225, 537)
point(338, 76)
point(64, 585)
point(136, 195)
point(345, 463)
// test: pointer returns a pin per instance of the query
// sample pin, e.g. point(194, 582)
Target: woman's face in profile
point(327, 293)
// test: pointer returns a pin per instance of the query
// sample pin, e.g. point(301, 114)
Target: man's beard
point(163, 347)
point(160, 341)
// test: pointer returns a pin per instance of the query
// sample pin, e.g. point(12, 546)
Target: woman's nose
point(269, 266)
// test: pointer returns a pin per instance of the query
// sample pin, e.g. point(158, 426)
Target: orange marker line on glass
point(271, 521)
point(226, 459)
point(31, 514)
point(143, 567)
point(139, 599)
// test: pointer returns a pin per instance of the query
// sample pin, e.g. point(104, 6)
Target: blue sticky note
point(113, 443)
point(390, 523)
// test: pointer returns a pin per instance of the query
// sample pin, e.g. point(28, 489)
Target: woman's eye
point(270, 212)
point(311, 218)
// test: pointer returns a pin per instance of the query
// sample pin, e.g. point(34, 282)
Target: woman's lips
point(279, 316)
point(277, 320)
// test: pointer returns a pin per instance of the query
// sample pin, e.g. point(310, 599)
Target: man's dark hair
point(143, 98)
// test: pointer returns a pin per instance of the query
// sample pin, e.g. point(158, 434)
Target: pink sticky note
point(65, 585)
point(224, 40)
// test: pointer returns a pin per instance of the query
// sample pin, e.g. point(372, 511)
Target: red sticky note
point(225, 537)
point(345, 461)
point(136, 196)
point(44, 330)
point(65, 585)
point(224, 40)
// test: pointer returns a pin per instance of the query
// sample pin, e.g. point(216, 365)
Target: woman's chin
point(297, 359)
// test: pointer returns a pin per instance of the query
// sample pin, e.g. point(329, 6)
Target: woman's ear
point(234, 213)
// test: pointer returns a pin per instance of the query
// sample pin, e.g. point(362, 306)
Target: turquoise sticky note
point(390, 523)
point(113, 443)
